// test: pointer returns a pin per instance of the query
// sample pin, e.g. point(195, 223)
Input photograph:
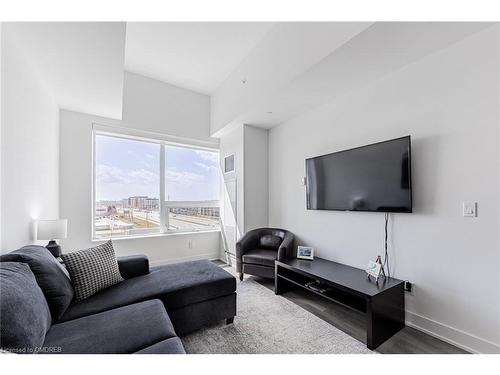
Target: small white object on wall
point(469, 209)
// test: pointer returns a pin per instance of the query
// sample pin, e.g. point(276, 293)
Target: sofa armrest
point(248, 241)
point(133, 266)
point(287, 247)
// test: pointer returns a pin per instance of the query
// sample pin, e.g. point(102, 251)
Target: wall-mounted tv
point(375, 177)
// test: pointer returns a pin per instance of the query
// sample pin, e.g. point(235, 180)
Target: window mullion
point(163, 209)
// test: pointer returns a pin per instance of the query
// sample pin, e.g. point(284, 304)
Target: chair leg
point(230, 320)
point(241, 276)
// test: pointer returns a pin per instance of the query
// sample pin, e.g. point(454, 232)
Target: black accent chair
point(257, 250)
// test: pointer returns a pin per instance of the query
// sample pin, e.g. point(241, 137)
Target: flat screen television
point(375, 177)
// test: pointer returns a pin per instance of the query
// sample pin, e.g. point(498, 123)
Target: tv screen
point(376, 177)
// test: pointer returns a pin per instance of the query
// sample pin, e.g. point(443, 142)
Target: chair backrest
point(271, 238)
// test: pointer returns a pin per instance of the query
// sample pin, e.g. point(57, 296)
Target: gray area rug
point(270, 324)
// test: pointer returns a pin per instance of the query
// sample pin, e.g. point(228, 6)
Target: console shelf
point(382, 302)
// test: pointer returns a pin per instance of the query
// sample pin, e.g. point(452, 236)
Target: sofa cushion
point(133, 266)
point(92, 269)
point(123, 330)
point(25, 315)
point(177, 285)
point(263, 257)
point(172, 345)
point(49, 274)
point(269, 241)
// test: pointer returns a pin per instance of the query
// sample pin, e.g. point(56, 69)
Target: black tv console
point(382, 302)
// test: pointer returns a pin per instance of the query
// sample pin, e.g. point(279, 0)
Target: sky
point(126, 167)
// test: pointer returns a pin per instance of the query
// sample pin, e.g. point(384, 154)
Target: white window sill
point(154, 235)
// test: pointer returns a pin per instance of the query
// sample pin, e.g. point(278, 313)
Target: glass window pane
point(127, 186)
point(191, 175)
point(192, 189)
point(193, 218)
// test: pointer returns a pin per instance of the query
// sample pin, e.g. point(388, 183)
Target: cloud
point(184, 178)
point(143, 176)
point(109, 175)
point(206, 167)
point(188, 186)
point(210, 156)
point(112, 175)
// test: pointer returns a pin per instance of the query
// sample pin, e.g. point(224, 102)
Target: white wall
point(29, 148)
point(159, 107)
point(449, 104)
point(256, 177)
point(250, 148)
point(232, 143)
point(76, 204)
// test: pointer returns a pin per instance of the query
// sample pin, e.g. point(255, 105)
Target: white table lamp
point(52, 230)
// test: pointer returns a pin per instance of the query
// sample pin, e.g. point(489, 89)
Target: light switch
point(469, 209)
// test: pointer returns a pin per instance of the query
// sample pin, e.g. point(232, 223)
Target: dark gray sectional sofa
point(143, 314)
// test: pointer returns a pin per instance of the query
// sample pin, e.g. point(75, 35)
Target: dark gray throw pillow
point(49, 274)
point(92, 270)
point(269, 241)
point(25, 315)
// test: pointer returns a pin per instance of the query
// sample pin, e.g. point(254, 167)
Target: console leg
point(230, 320)
point(241, 276)
point(385, 316)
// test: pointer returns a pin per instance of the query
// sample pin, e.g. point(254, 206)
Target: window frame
point(162, 140)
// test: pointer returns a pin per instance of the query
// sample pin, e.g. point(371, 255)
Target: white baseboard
point(209, 256)
point(451, 335)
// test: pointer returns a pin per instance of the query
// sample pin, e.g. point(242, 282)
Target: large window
point(143, 188)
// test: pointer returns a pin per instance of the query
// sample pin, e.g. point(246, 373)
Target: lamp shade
point(51, 229)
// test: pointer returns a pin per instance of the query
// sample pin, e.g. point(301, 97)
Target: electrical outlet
point(190, 244)
point(409, 287)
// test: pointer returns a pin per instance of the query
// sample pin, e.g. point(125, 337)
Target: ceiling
point(255, 73)
point(363, 54)
point(81, 62)
point(195, 55)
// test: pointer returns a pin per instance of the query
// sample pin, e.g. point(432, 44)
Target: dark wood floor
point(352, 322)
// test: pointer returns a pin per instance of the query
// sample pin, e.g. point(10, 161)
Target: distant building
point(210, 211)
point(142, 202)
point(196, 211)
point(101, 211)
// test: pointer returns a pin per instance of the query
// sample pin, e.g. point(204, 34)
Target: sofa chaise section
point(127, 329)
point(194, 293)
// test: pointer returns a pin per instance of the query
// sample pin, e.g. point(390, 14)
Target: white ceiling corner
point(197, 56)
point(82, 62)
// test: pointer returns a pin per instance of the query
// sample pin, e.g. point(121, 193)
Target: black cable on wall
point(386, 255)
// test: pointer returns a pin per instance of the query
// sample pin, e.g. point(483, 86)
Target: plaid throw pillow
point(92, 270)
